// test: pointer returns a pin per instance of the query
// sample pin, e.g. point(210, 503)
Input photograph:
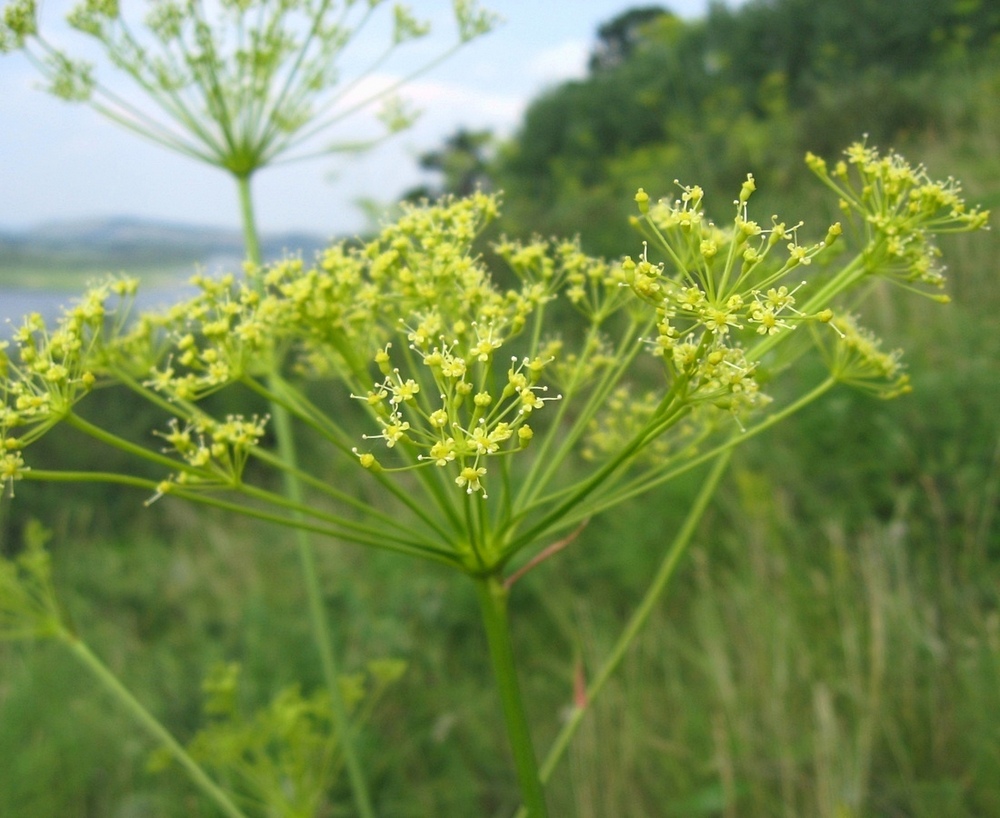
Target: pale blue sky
point(61, 161)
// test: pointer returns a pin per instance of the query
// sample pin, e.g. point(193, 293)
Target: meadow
point(830, 647)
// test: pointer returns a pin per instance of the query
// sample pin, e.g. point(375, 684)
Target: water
point(16, 303)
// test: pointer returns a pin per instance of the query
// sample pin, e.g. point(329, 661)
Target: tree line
point(706, 100)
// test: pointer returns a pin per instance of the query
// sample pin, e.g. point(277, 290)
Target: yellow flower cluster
point(466, 414)
point(329, 316)
point(215, 452)
point(53, 370)
point(451, 370)
point(855, 357)
point(714, 288)
point(900, 209)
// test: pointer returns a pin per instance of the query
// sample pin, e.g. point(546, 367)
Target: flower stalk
point(493, 605)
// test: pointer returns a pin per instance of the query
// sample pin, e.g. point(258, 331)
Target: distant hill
point(130, 244)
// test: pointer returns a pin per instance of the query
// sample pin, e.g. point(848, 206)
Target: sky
point(62, 161)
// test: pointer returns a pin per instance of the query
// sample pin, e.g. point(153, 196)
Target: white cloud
point(459, 104)
point(561, 62)
point(443, 106)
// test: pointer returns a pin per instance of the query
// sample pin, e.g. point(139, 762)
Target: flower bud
point(642, 200)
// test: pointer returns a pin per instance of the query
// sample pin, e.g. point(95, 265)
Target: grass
point(799, 669)
point(830, 650)
point(817, 657)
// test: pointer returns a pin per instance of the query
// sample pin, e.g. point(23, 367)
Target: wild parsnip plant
point(488, 423)
point(242, 85)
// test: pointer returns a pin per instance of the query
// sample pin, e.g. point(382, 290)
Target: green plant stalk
point(251, 238)
point(299, 406)
point(111, 439)
point(493, 606)
point(584, 488)
point(293, 489)
point(651, 479)
point(545, 466)
point(640, 617)
point(111, 683)
point(298, 521)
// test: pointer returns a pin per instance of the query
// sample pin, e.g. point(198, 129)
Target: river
point(15, 303)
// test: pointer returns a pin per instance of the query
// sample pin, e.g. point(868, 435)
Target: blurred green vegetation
point(749, 89)
point(832, 649)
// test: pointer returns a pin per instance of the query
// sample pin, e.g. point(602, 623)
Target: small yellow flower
point(470, 479)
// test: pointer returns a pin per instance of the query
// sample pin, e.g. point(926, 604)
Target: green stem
point(356, 535)
point(300, 407)
point(135, 449)
point(80, 650)
point(546, 465)
point(493, 606)
point(285, 439)
point(639, 618)
point(317, 616)
point(251, 240)
point(578, 492)
point(649, 480)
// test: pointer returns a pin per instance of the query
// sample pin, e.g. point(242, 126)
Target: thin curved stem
point(151, 725)
point(577, 493)
point(322, 636)
point(545, 465)
point(356, 535)
point(668, 567)
point(277, 391)
point(645, 482)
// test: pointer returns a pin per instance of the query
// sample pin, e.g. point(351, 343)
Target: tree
point(463, 161)
point(617, 39)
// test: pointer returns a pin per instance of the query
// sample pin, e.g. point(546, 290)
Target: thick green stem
point(639, 618)
point(493, 605)
point(160, 733)
point(285, 438)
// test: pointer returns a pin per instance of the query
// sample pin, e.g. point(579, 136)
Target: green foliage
point(281, 758)
point(779, 597)
point(745, 88)
point(618, 38)
point(411, 327)
point(28, 609)
point(812, 42)
point(463, 161)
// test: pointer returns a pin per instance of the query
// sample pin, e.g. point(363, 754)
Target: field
point(830, 648)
